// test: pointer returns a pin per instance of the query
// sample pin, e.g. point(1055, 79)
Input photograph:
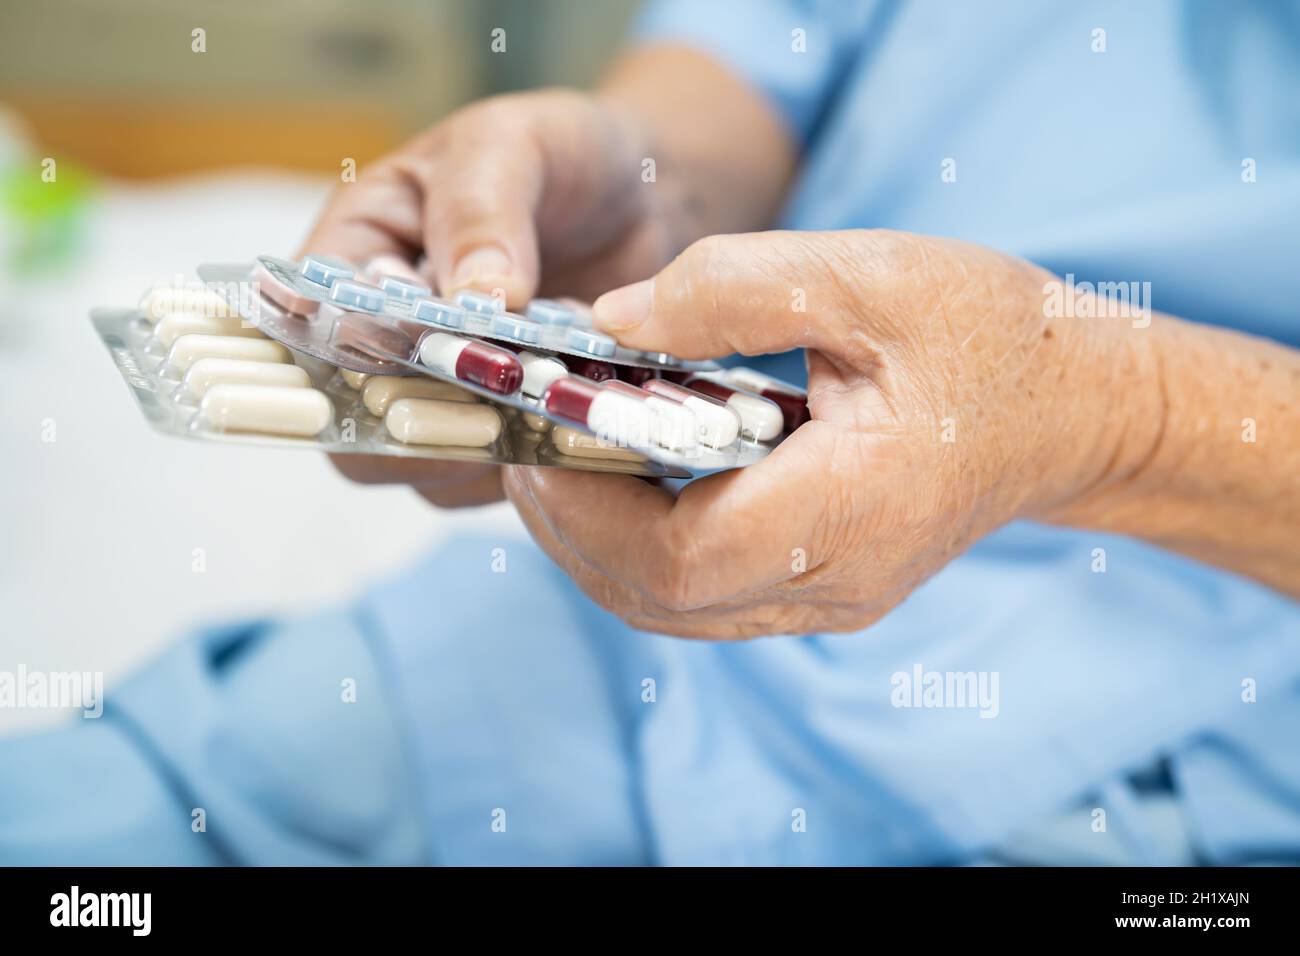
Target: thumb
point(752, 293)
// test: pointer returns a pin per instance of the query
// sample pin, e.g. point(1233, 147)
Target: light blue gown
point(502, 718)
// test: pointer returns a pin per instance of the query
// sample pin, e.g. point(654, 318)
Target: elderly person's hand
point(945, 402)
point(472, 202)
point(559, 192)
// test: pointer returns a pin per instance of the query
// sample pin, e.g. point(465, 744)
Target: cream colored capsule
point(269, 409)
point(163, 300)
point(207, 372)
point(570, 441)
point(424, 421)
point(175, 324)
point(188, 349)
point(382, 390)
point(354, 380)
point(538, 423)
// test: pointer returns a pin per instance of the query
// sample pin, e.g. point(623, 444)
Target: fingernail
point(624, 308)
point(486, 262)
point(387, 264)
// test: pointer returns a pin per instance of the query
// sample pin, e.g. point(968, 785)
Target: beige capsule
point(570, 441)
point(188, 349)
point(267, 409)
point(175, 324)
point(207, 372)
point(382, 390)
point(354, 380)
point(425, 421)
point(538, 423)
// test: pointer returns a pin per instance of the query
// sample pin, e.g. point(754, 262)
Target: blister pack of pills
point(308, 354)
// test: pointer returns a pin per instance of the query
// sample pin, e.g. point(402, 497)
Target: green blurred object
point(42, 221)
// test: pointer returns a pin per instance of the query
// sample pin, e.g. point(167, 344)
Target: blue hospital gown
point(503, 718)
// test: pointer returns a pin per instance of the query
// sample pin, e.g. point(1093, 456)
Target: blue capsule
point(550, 312)
point(350, 294)
point(593, 343)
point(516, 327)
point(402, 288)
point(325, 270)
point(478, 302)
point(439, 312)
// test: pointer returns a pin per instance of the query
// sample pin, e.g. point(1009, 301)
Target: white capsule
point(672, 425)
point(207, 372)
point(422, 421)
point(570, 441)
point(719, 425)
point(619, 420)
point(354, 380)
point(675, 425)
point(760, 418)
point(539, 372)
point(749, 379)
point(162, 300)
point(175, 324)
point(188, 349)
point(268, 409)
point(382, 390)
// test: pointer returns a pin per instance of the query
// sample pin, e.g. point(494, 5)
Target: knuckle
point(459, 209)
point(487, 117)
point(703, 260)
point(692, 286)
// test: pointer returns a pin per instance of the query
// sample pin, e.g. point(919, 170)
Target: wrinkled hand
point(944, 404)
point(530, 194)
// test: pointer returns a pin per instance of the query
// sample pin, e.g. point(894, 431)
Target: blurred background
point(163, 158)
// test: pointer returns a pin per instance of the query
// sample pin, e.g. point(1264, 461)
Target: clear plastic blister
point(559, 326)
point(388, 369)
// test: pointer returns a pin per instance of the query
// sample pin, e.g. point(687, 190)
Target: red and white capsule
point(719, 426)
point(794, 407)
point(673, 425)
point(616, 419)
point(760, 418)
point(472, 361)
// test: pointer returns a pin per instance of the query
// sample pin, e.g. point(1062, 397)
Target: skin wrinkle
point(362, 216)
point(906, 330)
point(905, 522)
point(563, 209)
point(1117, 480)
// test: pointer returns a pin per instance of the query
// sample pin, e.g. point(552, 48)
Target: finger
point(608, 593)
point(753, 293)
point(387, 264)
point(390, 470)
point(724, 537)
point(481, 199)
point(481, 490)
point(722, 622)
point(378, 215)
